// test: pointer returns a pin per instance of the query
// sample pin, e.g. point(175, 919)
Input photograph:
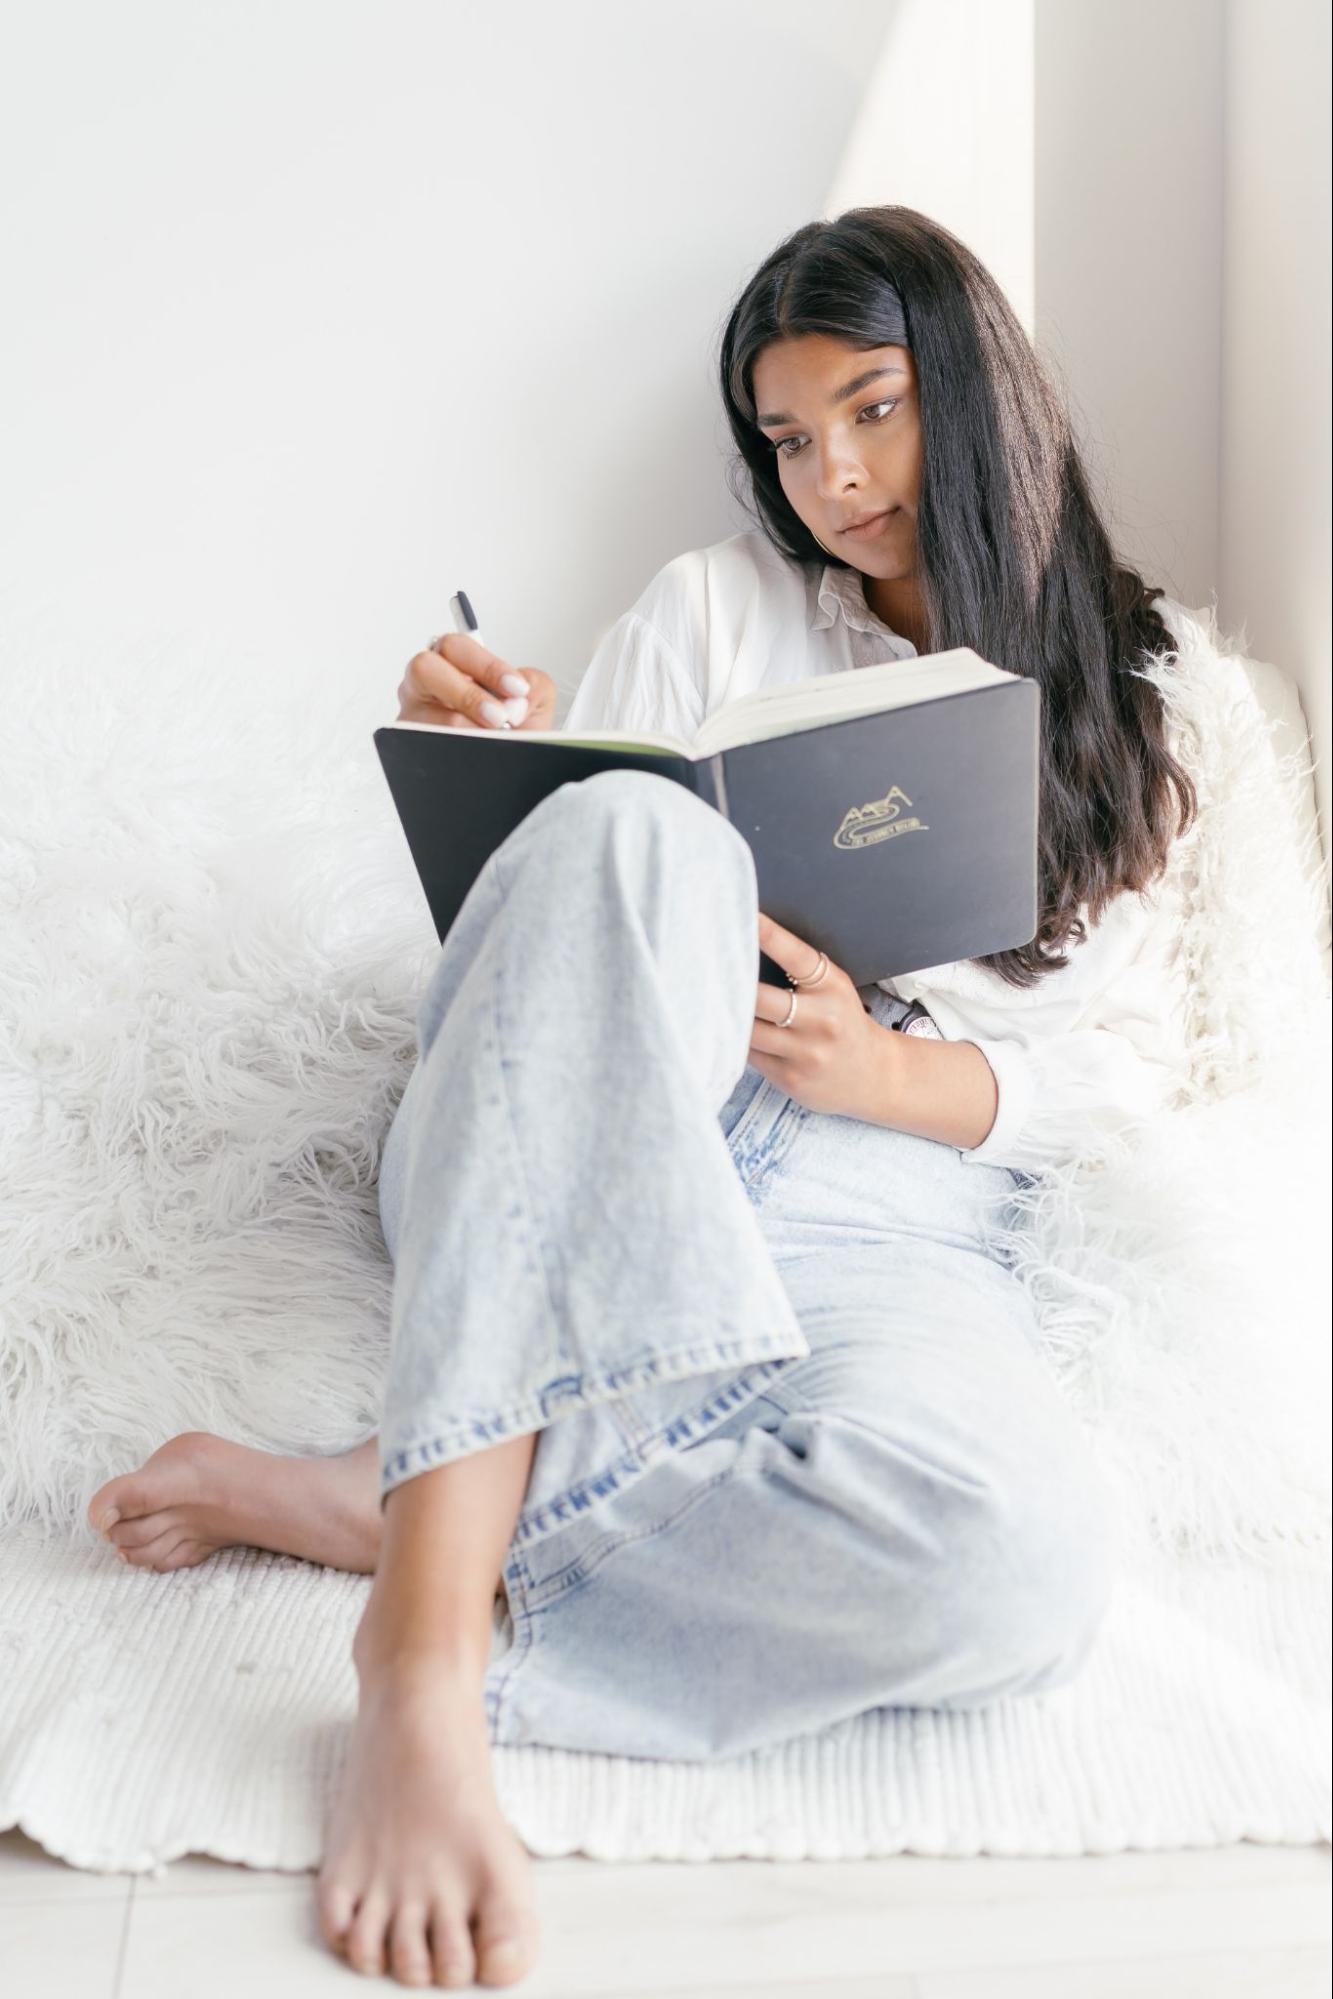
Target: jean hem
point(758, 1363)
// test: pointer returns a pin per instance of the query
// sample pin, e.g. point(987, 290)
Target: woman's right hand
point(458, 684)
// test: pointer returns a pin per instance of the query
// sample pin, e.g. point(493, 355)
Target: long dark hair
point(1013, 557)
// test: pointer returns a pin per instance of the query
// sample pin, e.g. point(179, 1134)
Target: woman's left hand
point(825, 1058)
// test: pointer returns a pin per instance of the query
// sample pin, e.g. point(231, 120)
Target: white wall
point(1129, 264)
point(1076, 146)
point(1148, 179)
point(1201, 388)
point(319, 310)
point(1275, 427)
point(946, 126)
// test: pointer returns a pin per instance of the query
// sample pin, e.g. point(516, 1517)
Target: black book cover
point(892, 840)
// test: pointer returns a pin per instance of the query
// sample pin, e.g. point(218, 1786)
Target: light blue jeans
point(798, 1452)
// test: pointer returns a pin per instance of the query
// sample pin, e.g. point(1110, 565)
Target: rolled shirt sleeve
point(1086, 1052)
point(1059, 1094)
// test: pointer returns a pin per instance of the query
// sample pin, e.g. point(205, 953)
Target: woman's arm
point(1091, 1055)
point(935, 1089)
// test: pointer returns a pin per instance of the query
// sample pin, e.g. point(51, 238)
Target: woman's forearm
point(937, 1089)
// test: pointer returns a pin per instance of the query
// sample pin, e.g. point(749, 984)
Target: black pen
point(465, 621)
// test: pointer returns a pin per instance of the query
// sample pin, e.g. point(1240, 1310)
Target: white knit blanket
point(213, 950)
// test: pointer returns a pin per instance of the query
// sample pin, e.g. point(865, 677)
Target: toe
point(451, 1944)
point(409, 1952)
point(129, 1499)
point(111, 1502)
point(173, 1472)
point(506, 1941)
point(365, 1935)
point(137, 1533)
point(336, 1905)
point(186, 1553)
point(152, 1553)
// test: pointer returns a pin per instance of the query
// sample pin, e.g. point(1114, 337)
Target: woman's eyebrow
point(838, 396)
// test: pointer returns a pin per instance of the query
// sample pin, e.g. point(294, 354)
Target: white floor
point(1216, 1924)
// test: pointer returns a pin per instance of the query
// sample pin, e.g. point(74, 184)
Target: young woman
point(699, 1349)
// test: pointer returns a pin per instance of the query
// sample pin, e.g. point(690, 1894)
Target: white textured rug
point(213, 950)
point(207, 1711)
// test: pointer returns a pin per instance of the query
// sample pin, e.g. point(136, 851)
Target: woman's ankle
point(459, 1656)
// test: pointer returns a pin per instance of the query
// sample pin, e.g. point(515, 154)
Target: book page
point(645, 744)
point(837, 697)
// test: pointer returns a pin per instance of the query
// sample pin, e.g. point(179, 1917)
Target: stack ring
point(812, 978)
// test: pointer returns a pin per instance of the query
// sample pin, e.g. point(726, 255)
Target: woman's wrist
point(945, 1090)
point(883, 1076)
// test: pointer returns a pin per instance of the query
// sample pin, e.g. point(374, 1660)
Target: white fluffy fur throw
point(1180, 1270)
point(214, 946)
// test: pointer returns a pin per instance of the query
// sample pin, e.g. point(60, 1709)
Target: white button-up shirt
point(1094, 1045)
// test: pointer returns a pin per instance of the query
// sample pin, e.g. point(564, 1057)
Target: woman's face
point(846, 430)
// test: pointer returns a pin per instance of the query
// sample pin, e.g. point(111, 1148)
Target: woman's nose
point(839, 471)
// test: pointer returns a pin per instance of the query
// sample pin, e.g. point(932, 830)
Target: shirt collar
point(842, 593)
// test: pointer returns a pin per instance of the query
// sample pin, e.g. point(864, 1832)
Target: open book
point(891, 810)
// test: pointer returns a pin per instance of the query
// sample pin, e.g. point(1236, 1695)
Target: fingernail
point(517, 709)
point(514, 683)
point(110, 1519)
point(493, 711)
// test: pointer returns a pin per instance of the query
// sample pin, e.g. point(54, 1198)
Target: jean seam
point(573, 1506)
point(536, 1413)
point(542, 1598)
point(583, 1567)
point(498, 1688)
point(748, 1117)
point(774, 1148)
point(882, 1436)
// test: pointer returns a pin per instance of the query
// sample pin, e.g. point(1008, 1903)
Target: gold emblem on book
point(877, 820)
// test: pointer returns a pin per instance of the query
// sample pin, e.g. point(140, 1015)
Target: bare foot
point(199, 1493)
point(422, 1877)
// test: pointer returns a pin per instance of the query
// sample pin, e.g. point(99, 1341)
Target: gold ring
point(816, 977)
point(791, 1013)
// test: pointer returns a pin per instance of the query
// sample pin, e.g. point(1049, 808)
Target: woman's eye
point(781, 446)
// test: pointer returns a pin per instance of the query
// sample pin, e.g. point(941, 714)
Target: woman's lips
point(870, 528)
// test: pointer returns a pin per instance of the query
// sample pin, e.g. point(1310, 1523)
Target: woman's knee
point(1008, 1557)
point(637, 840)
point(636, 806)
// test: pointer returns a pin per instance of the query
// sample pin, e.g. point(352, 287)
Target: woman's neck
point(898, 604)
